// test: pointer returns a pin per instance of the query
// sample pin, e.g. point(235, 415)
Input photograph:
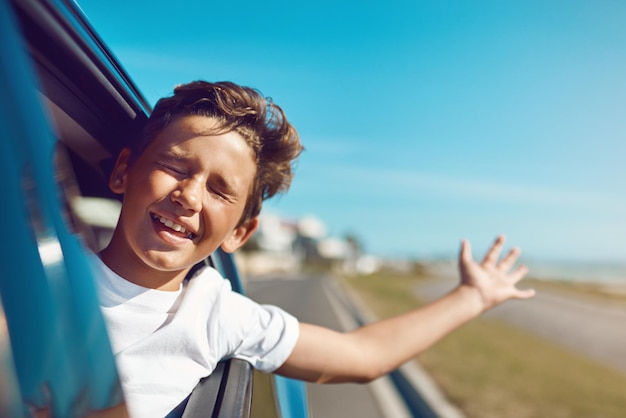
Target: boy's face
point(183, 196)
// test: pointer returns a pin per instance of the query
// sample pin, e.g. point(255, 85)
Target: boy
point(209, 156)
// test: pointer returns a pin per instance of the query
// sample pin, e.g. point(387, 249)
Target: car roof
point(94, 105)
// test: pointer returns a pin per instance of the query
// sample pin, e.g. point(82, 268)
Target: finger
point(494, 252)
point(511, 257)
point(524, 293)
point(465, 257)
point(518, 274)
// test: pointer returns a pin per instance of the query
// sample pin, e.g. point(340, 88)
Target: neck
point(137, 272)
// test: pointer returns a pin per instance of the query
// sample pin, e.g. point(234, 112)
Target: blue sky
point(424, 122)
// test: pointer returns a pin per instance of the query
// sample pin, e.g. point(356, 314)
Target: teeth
point(176, 227)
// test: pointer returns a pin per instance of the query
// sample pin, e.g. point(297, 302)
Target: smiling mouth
point(168, 223)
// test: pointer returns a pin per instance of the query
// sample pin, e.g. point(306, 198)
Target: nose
point(188, 194)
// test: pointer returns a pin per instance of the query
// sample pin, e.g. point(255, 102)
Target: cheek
point(220, 219)
point(156, 183)
point(141, 192)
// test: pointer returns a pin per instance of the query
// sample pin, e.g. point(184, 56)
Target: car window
point(60, 348)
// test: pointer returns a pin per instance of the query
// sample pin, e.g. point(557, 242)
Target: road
point(306, 299)
point(593, 329)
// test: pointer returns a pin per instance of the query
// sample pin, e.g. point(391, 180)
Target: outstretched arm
point(323, 355)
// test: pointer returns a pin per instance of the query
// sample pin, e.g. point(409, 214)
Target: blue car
point(68, 107)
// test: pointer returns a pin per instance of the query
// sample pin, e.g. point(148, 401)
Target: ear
point(240, 235)
point(117, 179)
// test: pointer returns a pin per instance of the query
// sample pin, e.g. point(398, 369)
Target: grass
point(263, 397)
point(489, 369)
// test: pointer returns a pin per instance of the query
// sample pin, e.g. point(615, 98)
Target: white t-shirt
point(165, 342)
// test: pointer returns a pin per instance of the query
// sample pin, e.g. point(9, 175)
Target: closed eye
point(173, 168)
point(219, 193)
point(220, 188)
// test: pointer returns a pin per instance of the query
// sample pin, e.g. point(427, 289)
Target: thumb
point(525, 293)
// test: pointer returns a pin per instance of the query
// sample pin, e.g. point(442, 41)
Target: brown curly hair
point(244, 110)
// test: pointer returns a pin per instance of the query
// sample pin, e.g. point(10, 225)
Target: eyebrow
point(175, 153)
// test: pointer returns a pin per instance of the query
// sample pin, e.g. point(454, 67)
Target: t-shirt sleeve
point(263, 335)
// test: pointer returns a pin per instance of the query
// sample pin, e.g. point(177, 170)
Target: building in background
point(290, 246)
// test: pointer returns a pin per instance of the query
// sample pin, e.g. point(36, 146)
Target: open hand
point(493, 278)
